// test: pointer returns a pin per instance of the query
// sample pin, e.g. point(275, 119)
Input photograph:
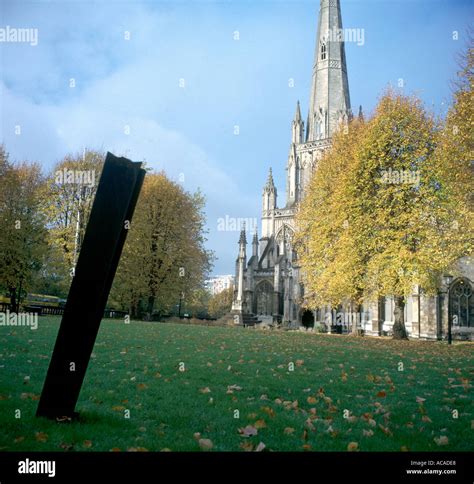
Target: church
point(268, 287)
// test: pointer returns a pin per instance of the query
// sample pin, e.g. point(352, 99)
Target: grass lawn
point(136, 367)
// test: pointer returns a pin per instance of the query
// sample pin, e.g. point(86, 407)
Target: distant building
point(217, 284)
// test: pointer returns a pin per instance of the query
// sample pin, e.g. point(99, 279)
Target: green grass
point(136, 367)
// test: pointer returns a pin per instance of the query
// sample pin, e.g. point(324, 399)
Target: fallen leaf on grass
point(260, 447)
point(260, 424)
point(309, 424)
point(41, 437)
point(246, 445)
point(64, 418)
point(367, 433)
point(269, 411)
point(420, 400)
point(385, 430)
point(248, 431)
point(137, 449)
point(381, 394)
point(353, 446)
point(19, 439)
point(205, 444)
point(443, 440)
point(311, 400)
point(67, 447)
point(289, 430)
point(231, 388)
point(87, 444)
point(205, 390)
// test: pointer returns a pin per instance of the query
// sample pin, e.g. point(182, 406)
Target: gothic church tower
point(329, 105)
point(268, 285)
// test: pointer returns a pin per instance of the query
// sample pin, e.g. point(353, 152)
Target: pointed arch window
point(323, 50)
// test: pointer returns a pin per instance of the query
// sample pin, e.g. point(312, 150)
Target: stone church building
point(268, 286)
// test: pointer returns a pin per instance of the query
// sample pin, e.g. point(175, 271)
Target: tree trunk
point(151, 304)
point(13, 302)
point(19, 295)
point(179, 307)
point(354, 319)
point(399, 330)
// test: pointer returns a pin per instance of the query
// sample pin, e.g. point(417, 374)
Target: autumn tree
point(197, 304)
point(70, 191)
point(453, 210)
point(221, 303)
point(377, 219)
point(164, 258)
point(23, 235)
point(326, 221)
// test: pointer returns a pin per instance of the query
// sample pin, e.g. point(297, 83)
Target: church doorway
point(264, 296)
point(307, 318)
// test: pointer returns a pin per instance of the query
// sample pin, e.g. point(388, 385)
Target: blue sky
point(190, 131)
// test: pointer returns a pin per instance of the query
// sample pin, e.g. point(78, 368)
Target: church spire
point(329, 99)
point(298, 112)
point(269, 203)
point(255, 243)
point(270, 185)
point(297, 128)
point(243, 236)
